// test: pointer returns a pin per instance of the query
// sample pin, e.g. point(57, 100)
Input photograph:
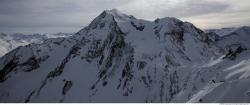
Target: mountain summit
point(118, 58)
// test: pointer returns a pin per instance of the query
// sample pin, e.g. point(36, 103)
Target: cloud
point(195, 7)
point(175, 8)
point(235, 16)
point(72, 15)
point(51, 13)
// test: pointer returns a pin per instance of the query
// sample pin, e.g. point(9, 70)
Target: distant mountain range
point(9, 42)
point(119, 58)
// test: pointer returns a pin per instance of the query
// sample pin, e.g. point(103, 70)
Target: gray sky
point(41, 16)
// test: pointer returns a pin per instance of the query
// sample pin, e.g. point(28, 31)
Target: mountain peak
point(118, 14)
point(107, 17)
point(113, 11)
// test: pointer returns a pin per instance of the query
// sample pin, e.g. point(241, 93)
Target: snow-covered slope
point(119, 58)
point(9, 42)
point(222, 32)
point(237, 36)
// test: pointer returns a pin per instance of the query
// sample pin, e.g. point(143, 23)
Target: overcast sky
point(50, 16)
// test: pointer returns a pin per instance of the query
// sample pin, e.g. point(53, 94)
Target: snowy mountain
point(118, 58)
point(236, 36)
point(222, 31)
point(9, 42)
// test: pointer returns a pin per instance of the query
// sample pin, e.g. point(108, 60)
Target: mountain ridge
point(12, 41)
